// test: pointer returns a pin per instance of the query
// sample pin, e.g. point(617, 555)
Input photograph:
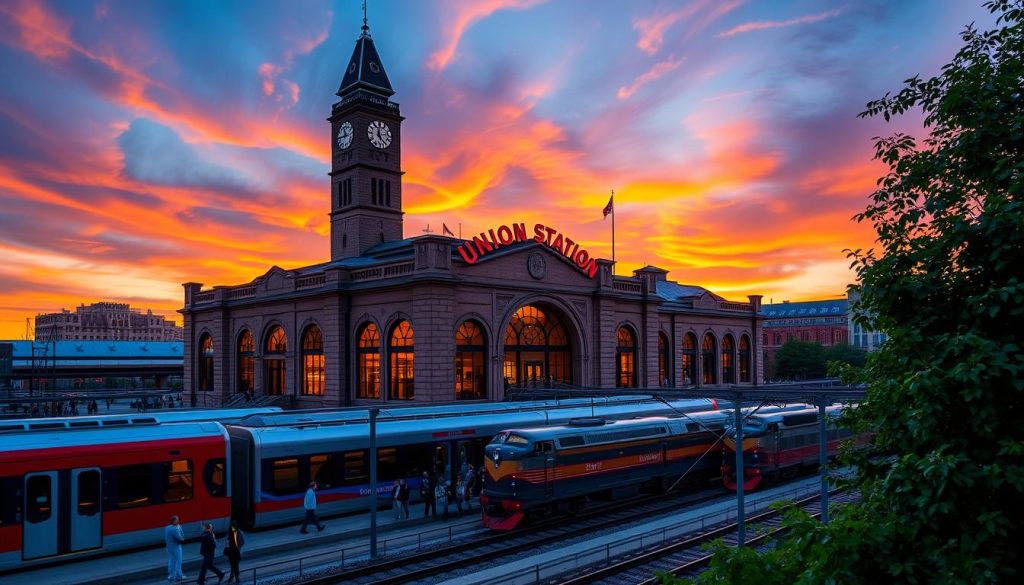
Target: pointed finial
point(366, 27)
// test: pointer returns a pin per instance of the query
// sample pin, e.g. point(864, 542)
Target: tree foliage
point(845, 353)
point(800, 360)
point(945, 391)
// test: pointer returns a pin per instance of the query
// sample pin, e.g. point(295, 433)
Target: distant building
point(822, 322)
point(107, 322)
point(861, 337)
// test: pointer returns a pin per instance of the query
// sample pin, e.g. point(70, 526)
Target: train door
point(86, 520)
point(547, 451)
point(39, 535)
point(442, 466)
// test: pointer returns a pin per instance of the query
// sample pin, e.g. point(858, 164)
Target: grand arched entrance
point(538, 348)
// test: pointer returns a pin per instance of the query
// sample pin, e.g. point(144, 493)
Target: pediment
point(274, 279)
point(533, 262)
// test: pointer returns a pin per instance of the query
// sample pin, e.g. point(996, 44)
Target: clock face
point(345, 134)
point(379, 134)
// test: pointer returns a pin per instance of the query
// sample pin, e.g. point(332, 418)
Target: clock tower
point(366, 174)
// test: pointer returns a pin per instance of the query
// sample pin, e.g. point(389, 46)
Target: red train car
point(74, 492)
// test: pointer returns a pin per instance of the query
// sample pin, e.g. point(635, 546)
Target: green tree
point(945, 391)
point(800, 360)
point(846, 354)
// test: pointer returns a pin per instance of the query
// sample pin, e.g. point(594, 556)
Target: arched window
point(368, 363)
point(537, 348)
point(470, 362)
point(275, 371)
point(728, 360)
point(313, 361)
point(402, 357)
point(744, 358)
point(625, 358)
point(689, 359)
point(709, 375)
point(204, 367)
point(246, 362)
point(664, 361)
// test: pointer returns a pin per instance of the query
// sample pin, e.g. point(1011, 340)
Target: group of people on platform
point(434, 494)
point(437, 495)
point(174, 538)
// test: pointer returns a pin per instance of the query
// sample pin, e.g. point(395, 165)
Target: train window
point(37, 496)
point(412, 461)
point(88, 493)
point(570, 441)
point(177, 480)
point(500, 438)
point(515, 439)
point(133, 485)
point(321, 470)
point(355, 468)
point(213, 477)
point(286, 476)
point(387, 464)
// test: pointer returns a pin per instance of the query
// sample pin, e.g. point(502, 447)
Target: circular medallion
point(536, 266)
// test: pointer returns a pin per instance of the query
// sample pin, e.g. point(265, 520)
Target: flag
point(446, 231)
point(610, 207)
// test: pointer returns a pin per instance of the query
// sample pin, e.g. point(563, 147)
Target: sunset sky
point(146, 144)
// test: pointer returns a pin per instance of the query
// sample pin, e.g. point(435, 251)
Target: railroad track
point(686, 556)
point(422, 566)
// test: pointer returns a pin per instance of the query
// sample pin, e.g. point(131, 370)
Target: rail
point(627, 286)
point(242, 292)
point(312, 281)
point(545, 572)
point(386, 271)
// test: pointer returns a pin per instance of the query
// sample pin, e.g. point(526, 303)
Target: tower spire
point(366, 26)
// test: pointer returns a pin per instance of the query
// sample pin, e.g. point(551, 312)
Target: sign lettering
point(495, 239)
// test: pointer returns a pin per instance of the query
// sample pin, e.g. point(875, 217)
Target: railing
point(242, 292)
point(627, 286)
point(730, 306)
point(203, 297)
point(311, 281)
point(320, 563)
point(545, 572)
point(387, 271)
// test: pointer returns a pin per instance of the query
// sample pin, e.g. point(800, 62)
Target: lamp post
point(373, 482)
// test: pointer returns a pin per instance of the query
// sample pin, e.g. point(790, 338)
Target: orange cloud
point(652, 28)
point(659, 69)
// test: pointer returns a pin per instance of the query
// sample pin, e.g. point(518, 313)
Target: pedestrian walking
point(403, 498)
point(395, 506)
point(427, 495)
point(310, 505)
point(208, 548)
point(233, 550)
point(441, 497)
point(173, 538)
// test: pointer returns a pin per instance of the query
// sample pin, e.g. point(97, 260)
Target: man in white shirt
point(173, 538)
point(309, 503)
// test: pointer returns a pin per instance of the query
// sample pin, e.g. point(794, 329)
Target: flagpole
point(613, 232)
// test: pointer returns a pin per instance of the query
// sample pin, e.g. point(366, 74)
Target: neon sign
point(495, 239)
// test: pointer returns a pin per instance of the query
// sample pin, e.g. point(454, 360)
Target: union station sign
point(505, 235)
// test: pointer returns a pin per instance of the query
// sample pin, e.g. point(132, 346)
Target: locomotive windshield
point(510, 438)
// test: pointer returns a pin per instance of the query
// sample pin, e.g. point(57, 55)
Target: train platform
point(262, 546)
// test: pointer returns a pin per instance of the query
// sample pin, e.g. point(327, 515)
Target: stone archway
point(538, 347)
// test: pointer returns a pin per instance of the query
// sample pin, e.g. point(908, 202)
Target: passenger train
point(778, 445)
point(533, 472)
point(71, 490)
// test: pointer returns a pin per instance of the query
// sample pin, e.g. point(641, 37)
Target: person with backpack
point(441, 496)
point(233, 550)
point(460, 495)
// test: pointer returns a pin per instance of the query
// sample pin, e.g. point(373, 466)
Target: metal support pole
point(823, 458)
point(373, 482)
point(741, 517)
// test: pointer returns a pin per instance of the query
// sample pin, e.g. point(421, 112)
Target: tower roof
point(364, 69)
